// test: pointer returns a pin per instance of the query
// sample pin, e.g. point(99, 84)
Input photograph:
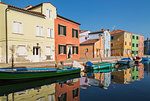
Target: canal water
point(124, 84)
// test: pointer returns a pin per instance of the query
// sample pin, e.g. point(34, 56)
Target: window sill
point(62, 54)
point(61, 35)
point(75, 37)
point(19, 33)
point(40, 36)
point(50, 38)
point(75, 54)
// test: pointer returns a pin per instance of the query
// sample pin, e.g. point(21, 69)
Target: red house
point(66, 39)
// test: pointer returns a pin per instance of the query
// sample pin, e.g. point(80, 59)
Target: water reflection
point(74, 87)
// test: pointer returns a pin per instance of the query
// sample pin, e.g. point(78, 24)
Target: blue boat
point(145, 59)
point(126, 61)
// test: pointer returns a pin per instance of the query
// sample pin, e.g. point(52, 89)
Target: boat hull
point(31, 75)
point(102, 65)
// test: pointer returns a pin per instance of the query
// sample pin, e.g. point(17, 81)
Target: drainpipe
point(6, 35)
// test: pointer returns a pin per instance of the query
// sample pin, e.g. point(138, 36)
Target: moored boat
point(101, 65)
point(31, 73)
point(126, 61)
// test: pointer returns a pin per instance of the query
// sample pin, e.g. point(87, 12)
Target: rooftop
point(90, 41)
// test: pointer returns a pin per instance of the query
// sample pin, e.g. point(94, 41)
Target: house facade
point(135, 44)
point(92, 48)
point(83, 35)
point(106, 40)
point(125, 43)
point(66, 39)
point(27, 33)
point(141, 45)
point(147, 47)
point(120, 43)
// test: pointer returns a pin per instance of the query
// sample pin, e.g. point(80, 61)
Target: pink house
point(141, 46)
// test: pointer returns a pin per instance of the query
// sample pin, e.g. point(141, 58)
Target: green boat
point(33, 73)
point(102, 65)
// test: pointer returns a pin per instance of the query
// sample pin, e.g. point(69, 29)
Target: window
point(51, 97)
point(62, 97)
point(87, 49)
point(130, 36)
point(132, 52)
point(74, 33)
point(17, 27)
point(125, 50)
point(137, 37)
point(129, 43)
point(50, 33)
point(125, 43)
point(75, 92)
point(75, 50)
point(39, 31)
point(136, 52)
point(112, 37)
point(132, 44)
point(62, 30)
point(137, 45)
point(35, 51)
point(48, 51)
point(125, 35)
point(111, 44)
point(22, 50)
point(62, 49)
point(49, 13)
point(133, 37)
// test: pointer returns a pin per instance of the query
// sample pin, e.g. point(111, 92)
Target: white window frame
point(39, 31)
point(17, 27)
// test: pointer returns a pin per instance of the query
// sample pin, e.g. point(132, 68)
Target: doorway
point(69, 52)
point(36, 54)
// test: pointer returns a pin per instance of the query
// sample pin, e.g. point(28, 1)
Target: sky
point(94, 15)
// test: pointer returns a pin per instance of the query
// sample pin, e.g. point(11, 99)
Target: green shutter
point(65, 30)
point(77, 34)
point(73, 49)
point(59, 48)
point(77, 49)
point(64, 49)
point(58, 29)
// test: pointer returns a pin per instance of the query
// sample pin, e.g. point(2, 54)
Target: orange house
point(68, 91)
point(66, 39)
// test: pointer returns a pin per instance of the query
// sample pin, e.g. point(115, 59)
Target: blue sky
point(129, 15)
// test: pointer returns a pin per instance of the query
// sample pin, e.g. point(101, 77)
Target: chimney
point(102, 29)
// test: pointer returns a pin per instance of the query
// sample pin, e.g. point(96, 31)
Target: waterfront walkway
point(66, 63)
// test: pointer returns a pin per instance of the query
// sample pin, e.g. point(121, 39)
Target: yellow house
point(28, 33)
point(121, 43)
point(43, 93)
point(122, 77)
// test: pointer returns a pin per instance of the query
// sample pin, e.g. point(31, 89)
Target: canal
point(125, 84)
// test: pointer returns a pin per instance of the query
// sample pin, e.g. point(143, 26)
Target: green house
point(135, 44)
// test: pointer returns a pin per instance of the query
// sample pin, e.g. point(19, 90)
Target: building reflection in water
point(43, 93)
point(102, 80)
point(135, 73)
point(147, 69)
point(141, 71)
point(121, 76)
point(68, 90)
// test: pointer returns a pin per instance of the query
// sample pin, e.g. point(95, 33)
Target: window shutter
point(59, 48)
point(37, 30)
point(77, 33)
point(58, 29)
point(14, 27)
point(64, 49)
point(72, 32)
point(52, 33)
point(77, 50)
point(20, 28)
point(73, 49)
point(65, 30)
point(47, 13)
point(48, 32)
point(41, 34)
